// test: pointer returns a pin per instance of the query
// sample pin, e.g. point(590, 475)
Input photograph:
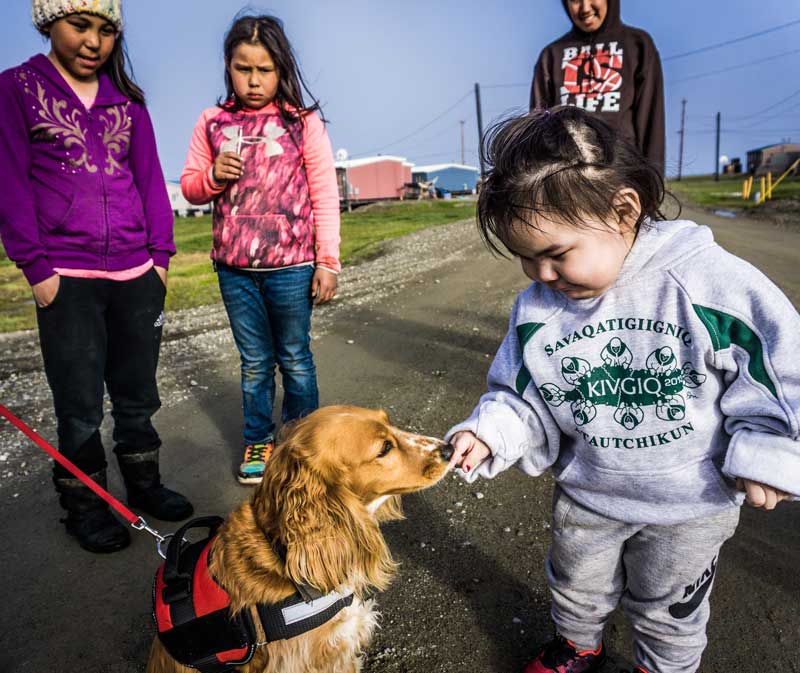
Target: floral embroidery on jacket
point(117, 135)
point(66, 125)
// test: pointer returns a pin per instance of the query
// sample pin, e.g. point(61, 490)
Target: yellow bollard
point(748, 188)
point(773, 185)
point(769, 185)
point(763, 196)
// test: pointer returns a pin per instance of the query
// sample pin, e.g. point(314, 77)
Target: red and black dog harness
point(192, 611)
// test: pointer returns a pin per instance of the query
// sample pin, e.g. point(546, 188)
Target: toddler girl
point(647, 368)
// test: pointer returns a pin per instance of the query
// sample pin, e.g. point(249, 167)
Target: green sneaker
point(252, 468)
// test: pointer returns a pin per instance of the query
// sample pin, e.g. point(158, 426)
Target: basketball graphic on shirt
point(592, 76)
point(588, 73)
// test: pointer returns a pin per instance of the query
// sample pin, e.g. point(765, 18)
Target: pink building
point(373, 178)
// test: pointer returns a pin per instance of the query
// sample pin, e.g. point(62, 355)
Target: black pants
point(98, 331)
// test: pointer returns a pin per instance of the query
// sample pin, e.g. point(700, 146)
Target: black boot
point(89, 518)
point(145, 490)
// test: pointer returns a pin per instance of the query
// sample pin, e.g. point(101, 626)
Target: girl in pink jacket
point(264, 159)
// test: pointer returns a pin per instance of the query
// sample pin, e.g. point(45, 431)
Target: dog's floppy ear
point(330, 538)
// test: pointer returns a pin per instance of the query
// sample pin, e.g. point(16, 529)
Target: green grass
point(702, 190)
point(364, 230)
point(192, 282)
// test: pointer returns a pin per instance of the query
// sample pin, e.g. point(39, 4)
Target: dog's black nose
point(446, 451)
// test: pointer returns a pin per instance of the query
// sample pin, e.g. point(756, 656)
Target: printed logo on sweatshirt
point(618, 324)
point(695, 592)
point(236, 139)
point(628, 390)
point(592, 76)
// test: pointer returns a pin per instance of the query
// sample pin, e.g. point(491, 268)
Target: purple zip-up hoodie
point(79, 189)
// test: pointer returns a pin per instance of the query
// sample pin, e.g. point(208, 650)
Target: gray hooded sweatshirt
point(648, 401)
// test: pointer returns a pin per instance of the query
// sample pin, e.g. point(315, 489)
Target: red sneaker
point(561, 656)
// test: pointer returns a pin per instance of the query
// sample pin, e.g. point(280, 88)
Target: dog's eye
point(387, 446)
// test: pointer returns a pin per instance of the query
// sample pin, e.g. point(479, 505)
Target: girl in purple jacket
point(85, 215)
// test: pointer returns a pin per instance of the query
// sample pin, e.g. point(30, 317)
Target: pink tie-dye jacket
point(284, 210)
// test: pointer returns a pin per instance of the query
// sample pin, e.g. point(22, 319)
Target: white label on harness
point(301, 611)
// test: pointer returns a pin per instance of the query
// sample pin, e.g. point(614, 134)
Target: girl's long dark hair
point(268, 32)
point(116, 67)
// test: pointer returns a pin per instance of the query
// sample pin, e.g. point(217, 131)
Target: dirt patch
point(783, 213)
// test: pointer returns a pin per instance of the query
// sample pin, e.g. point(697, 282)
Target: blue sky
point(383, 69)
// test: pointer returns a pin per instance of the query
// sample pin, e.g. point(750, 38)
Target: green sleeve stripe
point(524, 333)
point(523, 379)
point(725, 330)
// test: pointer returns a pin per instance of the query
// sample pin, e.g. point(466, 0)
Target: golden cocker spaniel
point(313, 521)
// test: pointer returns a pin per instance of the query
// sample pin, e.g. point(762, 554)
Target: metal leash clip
point(141, 524)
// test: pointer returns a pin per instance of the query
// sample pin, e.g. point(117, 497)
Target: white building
point(180, 206)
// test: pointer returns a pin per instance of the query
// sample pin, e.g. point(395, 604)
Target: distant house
point(453, 178)
point(772, 158)
point(372, 178)
point(180, 206)
point(735, 166)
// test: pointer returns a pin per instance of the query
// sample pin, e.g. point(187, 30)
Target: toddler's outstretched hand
point(761, 495)
point(469, 451)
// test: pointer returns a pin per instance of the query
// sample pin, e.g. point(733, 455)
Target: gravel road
point(413, 331)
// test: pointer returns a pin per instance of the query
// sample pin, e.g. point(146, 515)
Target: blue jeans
point(270, 315)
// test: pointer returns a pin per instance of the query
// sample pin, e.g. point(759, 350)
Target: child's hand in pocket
point(162, 274)
point(45, 291)
point(468, 451)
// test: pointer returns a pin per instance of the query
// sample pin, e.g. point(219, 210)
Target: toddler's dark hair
point(268, 32)
point(563, 164)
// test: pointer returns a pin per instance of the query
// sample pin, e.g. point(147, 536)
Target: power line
point(443, 153)
point(733, 41)
point(515, 85)
point(779, 114)
point(505, 86)
point(750, 131)
point(733, 67)
point(421, 128)
point(761, 119)
point(438, 134)
point(768, 108)
point(498, 115)
point(739, 118)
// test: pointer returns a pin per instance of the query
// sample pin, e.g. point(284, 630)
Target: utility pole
point(462, 141)
point(716, 154)
point(480, 125)
point(682, 132)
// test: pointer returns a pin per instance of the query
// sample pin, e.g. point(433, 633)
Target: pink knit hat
point(44, 12)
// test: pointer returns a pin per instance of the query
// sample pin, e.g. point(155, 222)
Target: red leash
point(135, 521)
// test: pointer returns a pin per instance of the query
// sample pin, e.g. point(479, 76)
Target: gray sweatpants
point(661, 574)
